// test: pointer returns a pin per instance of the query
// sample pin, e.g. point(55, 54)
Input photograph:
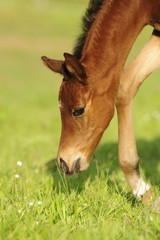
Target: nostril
point(77, 166)
point(63, 165)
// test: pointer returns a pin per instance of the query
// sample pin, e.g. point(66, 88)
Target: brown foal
point(95, 81)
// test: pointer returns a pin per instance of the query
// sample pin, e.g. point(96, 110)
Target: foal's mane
point(87, 21)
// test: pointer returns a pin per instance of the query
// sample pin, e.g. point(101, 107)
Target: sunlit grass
point(96, 204)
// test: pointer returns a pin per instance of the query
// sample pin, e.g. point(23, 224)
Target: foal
point(94, 82)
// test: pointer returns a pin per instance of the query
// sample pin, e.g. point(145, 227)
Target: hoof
point(147, 197)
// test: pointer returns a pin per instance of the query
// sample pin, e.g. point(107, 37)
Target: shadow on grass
point(149, 153)
point(105, 159)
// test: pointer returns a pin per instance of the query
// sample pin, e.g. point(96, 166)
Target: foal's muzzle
point(75, 168)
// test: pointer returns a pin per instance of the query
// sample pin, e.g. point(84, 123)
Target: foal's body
point(94, 82)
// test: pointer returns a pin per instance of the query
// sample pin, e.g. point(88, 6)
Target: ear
point(54, 65)
point(74, 67)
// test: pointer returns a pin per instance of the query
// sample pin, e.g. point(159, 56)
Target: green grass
point(93, 205)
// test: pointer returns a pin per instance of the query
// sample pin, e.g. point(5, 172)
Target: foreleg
point(146, 62)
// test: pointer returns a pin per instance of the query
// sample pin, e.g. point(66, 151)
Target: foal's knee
point(129, 165)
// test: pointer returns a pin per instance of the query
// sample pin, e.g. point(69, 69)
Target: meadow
point(37, 202)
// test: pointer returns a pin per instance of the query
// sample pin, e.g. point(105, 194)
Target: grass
point(96, 204)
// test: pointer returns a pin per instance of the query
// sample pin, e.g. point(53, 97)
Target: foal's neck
point(116, 26)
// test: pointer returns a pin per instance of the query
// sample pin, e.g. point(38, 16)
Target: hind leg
point(146, 62)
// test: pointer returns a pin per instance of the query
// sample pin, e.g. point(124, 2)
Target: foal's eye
point(78, 112)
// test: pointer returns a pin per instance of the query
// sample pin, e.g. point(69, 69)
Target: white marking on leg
point(141, 189)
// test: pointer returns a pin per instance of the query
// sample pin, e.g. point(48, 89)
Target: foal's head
point(85, 114)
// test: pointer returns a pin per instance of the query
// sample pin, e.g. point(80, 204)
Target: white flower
point(39, 203)
point(30, 204)
point(16, 176)
point(19, 163)
point(151, 218)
